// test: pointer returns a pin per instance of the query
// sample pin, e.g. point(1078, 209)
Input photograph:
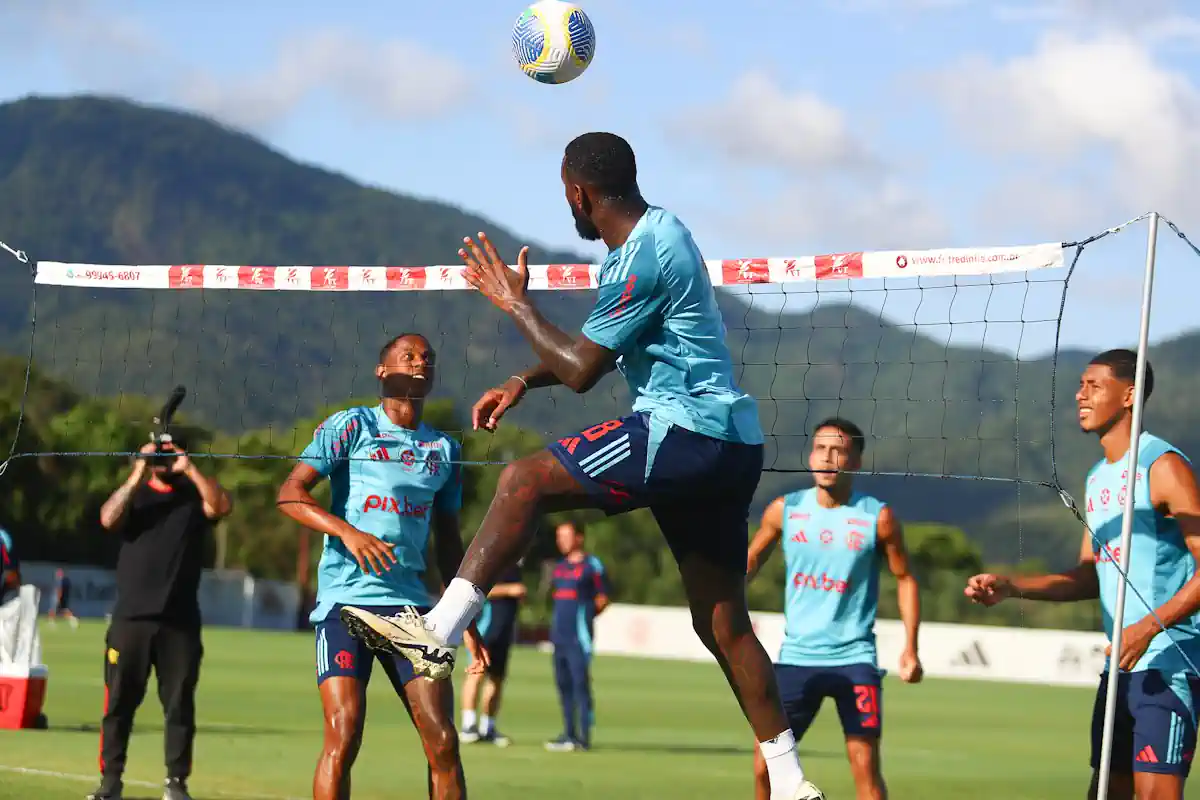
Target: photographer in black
point(164, 513)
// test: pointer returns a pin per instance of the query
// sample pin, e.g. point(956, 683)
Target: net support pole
point(1114, 660)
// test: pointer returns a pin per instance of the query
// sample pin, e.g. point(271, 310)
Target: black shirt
point(163, 546)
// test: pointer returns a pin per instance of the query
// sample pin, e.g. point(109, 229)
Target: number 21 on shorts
point(866, 700)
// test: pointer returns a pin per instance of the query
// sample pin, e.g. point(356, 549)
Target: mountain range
point(103, 180)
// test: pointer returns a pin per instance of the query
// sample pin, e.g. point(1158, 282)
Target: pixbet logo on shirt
point(820, 582)
point(391, 505)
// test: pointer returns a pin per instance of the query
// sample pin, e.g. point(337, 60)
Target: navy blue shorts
point(1155, 725)
point(856, 690)
point(340, 655)
point(699, 488)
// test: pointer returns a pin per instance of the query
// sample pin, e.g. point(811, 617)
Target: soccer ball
point(553, 41)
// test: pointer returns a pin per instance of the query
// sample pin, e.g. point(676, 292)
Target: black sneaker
point(176, 789)
point(494, 737)
point(108, 790)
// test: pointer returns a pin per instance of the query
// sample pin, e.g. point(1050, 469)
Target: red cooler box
point(22, 692)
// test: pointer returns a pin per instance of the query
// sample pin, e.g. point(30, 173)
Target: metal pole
point(1110, 699)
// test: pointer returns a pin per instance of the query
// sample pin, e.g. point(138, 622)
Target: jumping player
point(693, 433)
point(394, 481)
point(580, 593)
point(498, 629)
point(1157, 689)
point(834, 539)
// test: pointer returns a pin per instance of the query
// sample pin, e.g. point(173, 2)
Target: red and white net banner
point(736, 272)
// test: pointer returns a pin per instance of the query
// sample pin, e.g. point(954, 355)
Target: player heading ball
point(693, 433)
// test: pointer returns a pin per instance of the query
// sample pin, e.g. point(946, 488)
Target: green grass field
point(664, 730)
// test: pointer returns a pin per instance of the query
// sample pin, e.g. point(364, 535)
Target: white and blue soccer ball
point(553, 41)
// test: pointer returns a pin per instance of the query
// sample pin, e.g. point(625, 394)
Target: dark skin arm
point(576, 362)
point(295, 500)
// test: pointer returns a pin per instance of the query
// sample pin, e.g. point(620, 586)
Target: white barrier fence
point(227, 597)
point(1067, 658)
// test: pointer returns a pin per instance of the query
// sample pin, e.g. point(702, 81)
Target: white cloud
point(394, 79)
point(805, 176)
point(1101, 107)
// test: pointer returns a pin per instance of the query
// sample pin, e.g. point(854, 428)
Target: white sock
point(783, 765)
point(468, 719)
point(460, 604)
point(486, 724)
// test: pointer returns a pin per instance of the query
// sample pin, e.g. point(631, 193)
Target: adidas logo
point(1146, 756)
point(971, 656)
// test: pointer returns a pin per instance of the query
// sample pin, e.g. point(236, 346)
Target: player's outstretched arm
point(295, 500)
point(1080, 583)
point(1173, 493)
point(765, 540)
point(890, 535)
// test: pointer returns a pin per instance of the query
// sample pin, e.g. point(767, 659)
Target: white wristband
point(524, 382)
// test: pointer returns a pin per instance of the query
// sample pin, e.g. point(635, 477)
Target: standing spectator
point(61, 604)
point(580, 592)
point(164, 513)
point(10, 568)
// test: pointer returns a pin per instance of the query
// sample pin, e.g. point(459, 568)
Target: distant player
point(693, 434)
point(60, 605)
point(1155, 733)
point(580, 592)
point(394, 481)
point(834, 539)
point(498, 629)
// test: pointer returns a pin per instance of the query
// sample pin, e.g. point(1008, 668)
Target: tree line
point(50, 504)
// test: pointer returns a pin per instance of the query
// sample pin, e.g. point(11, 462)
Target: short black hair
point(387, 348)
point(580, 528)
point(858, 440)
point(1123, 365)
point(603, 162)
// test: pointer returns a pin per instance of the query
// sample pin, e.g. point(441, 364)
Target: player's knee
point(864, 764)
point(516, 480)
point(441, 745)
point(343, 734)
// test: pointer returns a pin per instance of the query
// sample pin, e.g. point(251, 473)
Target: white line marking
point(69, 776)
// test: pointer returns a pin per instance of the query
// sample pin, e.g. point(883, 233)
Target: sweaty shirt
point(831, 594)
point(576, 585)
point(657, 310)
point(1159, 560)
point(385, 481)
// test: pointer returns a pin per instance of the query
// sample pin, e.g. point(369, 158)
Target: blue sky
point(776, 129)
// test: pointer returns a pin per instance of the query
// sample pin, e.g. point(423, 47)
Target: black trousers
point(174, 652)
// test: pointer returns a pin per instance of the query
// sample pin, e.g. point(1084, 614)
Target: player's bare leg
point(345, 704)
point(1120, 786)
point(1152, 786)
point(528, 488)
point(431, 705)
point(866, 766)
point(470, 697)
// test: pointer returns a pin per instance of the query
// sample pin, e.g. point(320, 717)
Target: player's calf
point(863, 753)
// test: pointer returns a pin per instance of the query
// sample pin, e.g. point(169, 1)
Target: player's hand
point(988, 589)
point(1135, 640)
point(372, 553)
point(495, 403)
point(140, 469)
point(481, 659)
point(911, 670)
point(488, 273)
